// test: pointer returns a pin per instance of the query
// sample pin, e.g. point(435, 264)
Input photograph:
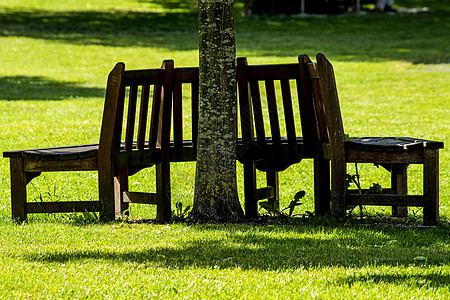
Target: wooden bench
point(393, 153)
point(171, 144)
point(273, 136)
point(122, 151)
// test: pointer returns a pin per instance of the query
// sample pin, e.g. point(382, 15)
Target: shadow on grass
point(278, 247)
point(116, 29)
point(41, 88)
point(374, 37)
point(434, 279)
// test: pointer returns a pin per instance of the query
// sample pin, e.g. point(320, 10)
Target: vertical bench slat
point(318, 102)
point(309, 111)
point(318, 134)
point(110, 139)
point(155, 116)
point(257, 110)
point(177, 116)
point(313, 110)
point(288, 111)
point(163, 210)
point(245, 108)
point(131, 118)
point(273, 111)
point(194, 105)
point(143, 113)
point(163, 139)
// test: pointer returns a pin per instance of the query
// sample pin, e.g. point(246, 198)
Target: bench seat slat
point(278, 156)
point(56, 153)
point(395, 144)
point(42, 165)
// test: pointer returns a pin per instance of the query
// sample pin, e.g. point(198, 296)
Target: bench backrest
point(129, 123)
point(326, 102)
point(126, 124)
point(291, 79)
point(185, 78)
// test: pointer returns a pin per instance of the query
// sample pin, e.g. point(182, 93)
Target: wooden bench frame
point(393, 153)
point(113, 158)
point(161, 149)
point(265, 149)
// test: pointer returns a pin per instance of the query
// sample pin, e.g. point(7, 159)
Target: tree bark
point(216, 198)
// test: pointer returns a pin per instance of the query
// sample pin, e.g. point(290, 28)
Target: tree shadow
point(116, 29)
point(372, 38)
point(416, 38)
point(41, 88)
point(301, 247)
point(433, 279)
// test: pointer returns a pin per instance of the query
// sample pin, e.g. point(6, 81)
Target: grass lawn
point(393, 78)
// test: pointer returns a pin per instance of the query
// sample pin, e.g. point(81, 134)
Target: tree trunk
point(216, 198)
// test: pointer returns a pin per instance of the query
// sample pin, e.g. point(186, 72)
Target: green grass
point(392, 73)
point(54, 260)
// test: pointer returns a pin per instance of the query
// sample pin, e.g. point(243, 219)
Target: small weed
point(271, 209)
point(275, 210)
point(350, 179)
point(84, 218)
point(49, 195)
point(179, 213)
point(294, 203)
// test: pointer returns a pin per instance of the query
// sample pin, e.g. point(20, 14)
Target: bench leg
point(399, 183)
point(322, 193)
point(106, 182)
point(272, 181)
point(163, 208)
point(338, 188)
point(431, 186)
point(18, 190)
point(251, 203)
point(120, 186)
